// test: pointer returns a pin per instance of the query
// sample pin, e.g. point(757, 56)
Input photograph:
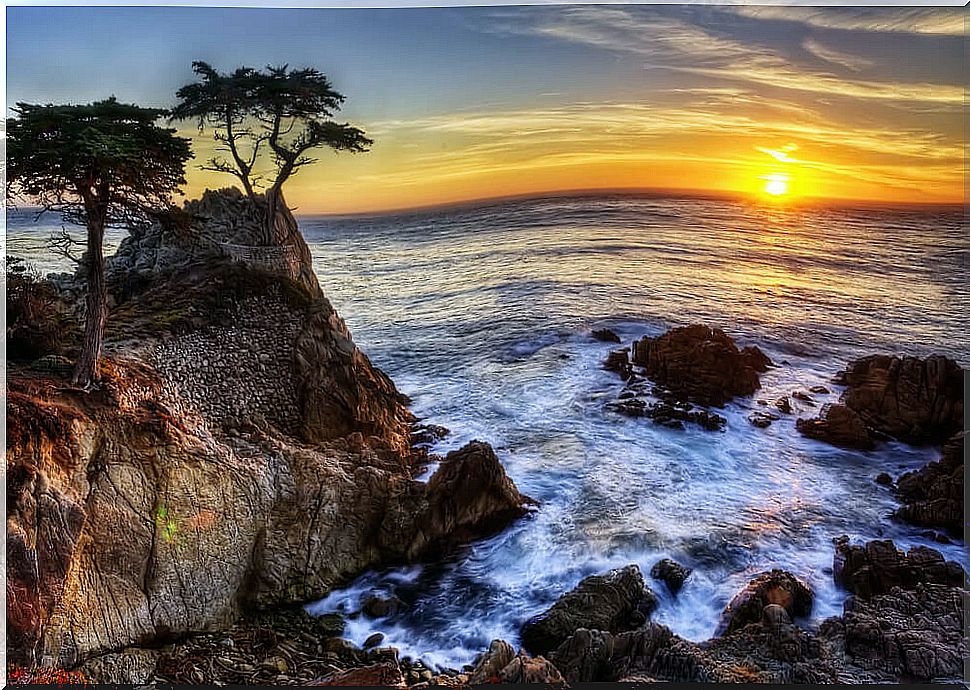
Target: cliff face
point(241, 452)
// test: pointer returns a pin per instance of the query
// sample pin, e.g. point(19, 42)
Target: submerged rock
point(762, 420)
point(877, 567)
point(773, 587)
point(610, 602)
point(605, 335)
point(671, 573)
point(838, 425)
point(933, 496)
point(700, 364)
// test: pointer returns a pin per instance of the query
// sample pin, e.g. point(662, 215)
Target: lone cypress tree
point(287, 113)
point(99, 164)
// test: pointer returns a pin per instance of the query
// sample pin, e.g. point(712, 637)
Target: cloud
point(666, 41)
point(836, 57)
point(711, 134)
point(947, 21)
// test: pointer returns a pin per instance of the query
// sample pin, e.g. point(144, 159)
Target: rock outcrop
point(222, 224)
point(877, 567)
point(775, 587)
point(933, 496)
point(915, 400)
point(700, 364)
point(911, 635)
point(613, 602)
point(242, 453)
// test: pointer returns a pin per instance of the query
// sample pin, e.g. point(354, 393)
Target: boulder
point(489, 668)
point(773, 587)
point(605, 335)
point(933, 496)
point(877, 567)
point(671, 573)
point(469, 496)
point(914, 400)
point(838, 425)
point(524, 669)
point(700, 364)
point(611, 602)
point(377, 606)
point(762, 420)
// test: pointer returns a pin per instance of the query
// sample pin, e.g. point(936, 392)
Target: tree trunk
point(86, 370)
point(274, 198)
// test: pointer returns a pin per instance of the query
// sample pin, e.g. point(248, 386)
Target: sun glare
point(776, 185)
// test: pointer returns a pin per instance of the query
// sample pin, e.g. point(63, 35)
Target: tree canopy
point(286, 113)
point(102, 163)
point(105, 158)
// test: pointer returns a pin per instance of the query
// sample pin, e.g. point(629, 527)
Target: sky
point(479, 102)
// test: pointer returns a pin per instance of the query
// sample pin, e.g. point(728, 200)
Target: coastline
point(272, 420)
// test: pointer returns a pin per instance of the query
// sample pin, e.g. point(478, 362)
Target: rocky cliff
point(240, 453)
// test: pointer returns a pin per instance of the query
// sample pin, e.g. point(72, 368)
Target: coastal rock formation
point(914, 400)
point(877, 567)
point(933, 496)
point(612, 602)
point(671, 573)
point(700, 364)
point(838, 425)
point(468, 496)
point(775, 587)
point(222, 224)
point(243, 454)
point(914, 635)
point(763, 652)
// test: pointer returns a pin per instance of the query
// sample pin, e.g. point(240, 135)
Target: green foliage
point(104, 159)
point(287, 112)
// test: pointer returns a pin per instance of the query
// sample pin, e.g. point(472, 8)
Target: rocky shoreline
point(242, 457)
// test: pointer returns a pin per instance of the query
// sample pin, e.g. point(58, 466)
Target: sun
point(776, 184)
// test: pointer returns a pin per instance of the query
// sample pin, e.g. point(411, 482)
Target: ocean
point(482, 314)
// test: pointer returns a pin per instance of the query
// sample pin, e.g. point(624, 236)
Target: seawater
point(482, 315)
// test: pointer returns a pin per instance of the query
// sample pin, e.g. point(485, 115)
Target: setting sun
point(776, 185)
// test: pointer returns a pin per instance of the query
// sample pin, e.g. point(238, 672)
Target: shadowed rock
point(839, 425)
point(700, 364)
point(605, 335)
point(876, 567)
point(933, 496)
point(671, 573)
point(610, 602)
point(911, 399)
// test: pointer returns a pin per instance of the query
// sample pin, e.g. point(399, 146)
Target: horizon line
point(655, 192)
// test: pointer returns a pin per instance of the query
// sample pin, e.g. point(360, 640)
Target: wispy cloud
point(949, 21)
point(836, 57)
point(667, 41)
